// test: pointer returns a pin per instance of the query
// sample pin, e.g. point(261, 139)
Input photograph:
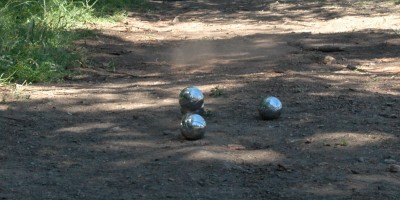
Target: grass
point(217, 91)
point(5, 80)
point(110, 7)
point(36, 36)
point(343, 142)
point(13, 92)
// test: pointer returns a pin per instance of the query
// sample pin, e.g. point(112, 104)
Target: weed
point(343, 142)
point(208, 113)
point(111, 66)
point(217, 91)
point(36, 36)
point(11, 92)
point(119, 16)
point(112, 7)
point(5, 80)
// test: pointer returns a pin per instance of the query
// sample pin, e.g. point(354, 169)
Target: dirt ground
point(112, 131)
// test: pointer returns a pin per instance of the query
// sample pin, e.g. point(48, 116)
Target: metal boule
point(270, 108)
point(193, 126)
point(199, 111)
point(191, 99)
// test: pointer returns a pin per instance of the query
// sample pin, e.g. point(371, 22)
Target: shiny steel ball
point(199, 111)
point(270, 108)
point(193, 126)
point(191, 100)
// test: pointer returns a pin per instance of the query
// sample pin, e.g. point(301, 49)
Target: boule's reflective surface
point(193, 126)
point(270, 108)
point(191, 99)
point(199, 111)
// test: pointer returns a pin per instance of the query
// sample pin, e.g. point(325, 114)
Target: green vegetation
point(110, 7)
point(217, 91)
point(343, 142)
point(36, 36)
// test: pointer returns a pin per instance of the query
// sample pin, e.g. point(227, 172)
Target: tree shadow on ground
point(271, 11)
point(115, 134)
point(298, 52)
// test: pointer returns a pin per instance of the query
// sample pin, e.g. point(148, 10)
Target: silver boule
point(193, 126)
point(270, 108)
point(191, 99)
point(199, 111)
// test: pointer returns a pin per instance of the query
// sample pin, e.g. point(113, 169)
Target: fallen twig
point(11, 118)
point(325, 48)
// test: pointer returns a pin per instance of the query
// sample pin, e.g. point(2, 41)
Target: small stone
point(389, 161)
point(389, 157)
point(323, 164)
point(361, 159)
point(176, 20)
point(236, 147)
point(351, 67)
point(166, 132)
point(389, 104)
point(283, 167)
point(201, 182)
point(117, 128)
point(394, 168)
point(328, 60)
point(326, 144)
point(352, 89)
point(374, 76)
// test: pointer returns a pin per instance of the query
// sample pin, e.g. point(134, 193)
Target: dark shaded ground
point(113, 133)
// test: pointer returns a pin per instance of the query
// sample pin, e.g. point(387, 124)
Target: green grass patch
point(36, 36)
point(109, 7)
point(217, 91)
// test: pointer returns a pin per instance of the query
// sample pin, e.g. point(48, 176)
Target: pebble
point(236, 147)
point(117, 128)
point(389, 104)
point(328, 60)
point(201, 182)
point(389, 157)
point(361, 159)
point(394, 168)
point(351, 67)
point(389, 161)
point(176, 20)
point(166, 132)
point(323, 164)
